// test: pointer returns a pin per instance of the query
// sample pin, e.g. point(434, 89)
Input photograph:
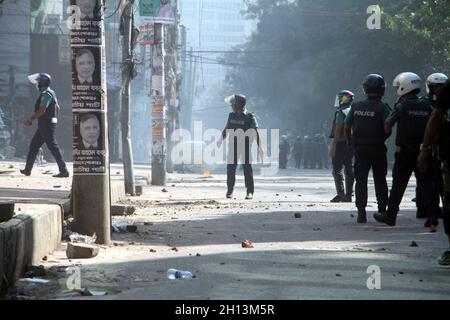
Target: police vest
point(341, 137)
point(243, 121)
point(368, 122)
point(46, 118)
point(444, 140)
point(413, 117)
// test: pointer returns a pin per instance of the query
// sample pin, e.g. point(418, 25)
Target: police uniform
point(46, 131)
point(308, 151)
point(444, 153)
point(438, 190)
point(343, 159)
point(284, 152)
point(367, 121)
point(240, 148)
point(411, 114)
point(298, 152)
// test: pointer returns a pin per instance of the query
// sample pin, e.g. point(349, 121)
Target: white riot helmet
point(407, 82)
point(436, 79)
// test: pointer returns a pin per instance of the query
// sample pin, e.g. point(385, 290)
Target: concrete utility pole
point(158, 109)
point(192, 89)
point(127, 75)
point(171, 89)
point(184, 78)
point(90, 189)
point(11, 106)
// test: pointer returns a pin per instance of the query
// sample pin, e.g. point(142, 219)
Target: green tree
point(303, 52)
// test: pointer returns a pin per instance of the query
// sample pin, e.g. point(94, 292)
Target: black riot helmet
point(443, 99)
point(374, 86)
point(239, 99)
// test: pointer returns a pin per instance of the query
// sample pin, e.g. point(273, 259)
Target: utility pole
point(11, 100)
point(158, 108)
point(127, 75)
point(171, 89)
point(189, 89)
point(90, 198)
point(184, 78)
point(192, 90)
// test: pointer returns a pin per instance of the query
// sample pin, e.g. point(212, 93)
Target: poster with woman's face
point(86, 80)
point(88, 143)
point(84, 22)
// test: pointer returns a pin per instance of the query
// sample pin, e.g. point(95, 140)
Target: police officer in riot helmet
point(411, 114)
point(341, 153)
point(364, 129)
point(242, 129)
point(439, 127)
point(434, 84)
point(46, 112)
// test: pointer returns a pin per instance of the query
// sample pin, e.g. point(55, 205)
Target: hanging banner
point(158, 107)
point(146, 34)
point(158, 11)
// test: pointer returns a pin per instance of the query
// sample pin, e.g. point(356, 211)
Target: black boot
point(362, 216)
point(338, 198)
point(385, 218)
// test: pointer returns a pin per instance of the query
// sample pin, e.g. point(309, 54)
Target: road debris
point(81, 251)
point(78, 238)
point(247, 244)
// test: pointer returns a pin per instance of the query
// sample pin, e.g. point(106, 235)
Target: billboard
point(158, 11)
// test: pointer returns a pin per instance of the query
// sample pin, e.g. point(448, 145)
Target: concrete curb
point(35, 233)
point(117, 191)
point(26, 239)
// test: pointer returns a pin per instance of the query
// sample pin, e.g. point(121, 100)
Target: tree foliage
point(304, 51)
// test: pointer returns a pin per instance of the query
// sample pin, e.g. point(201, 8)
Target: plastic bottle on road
point(173, 274)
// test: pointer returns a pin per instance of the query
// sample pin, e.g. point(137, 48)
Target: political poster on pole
point(87, 86)
point(85, 22)
point(89, 152)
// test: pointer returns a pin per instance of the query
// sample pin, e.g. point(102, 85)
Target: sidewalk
point(36, 228)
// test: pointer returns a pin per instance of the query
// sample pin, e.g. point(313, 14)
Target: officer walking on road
point(243, 130)
point(412, 114)
point(341, 153)
point(364, 129)
point(439, 126)
point(46, 112)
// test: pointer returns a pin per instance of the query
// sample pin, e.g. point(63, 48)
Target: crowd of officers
point(360, 130)
point(309, 151)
